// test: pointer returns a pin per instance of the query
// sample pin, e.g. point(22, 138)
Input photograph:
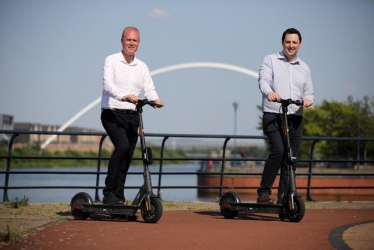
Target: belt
point(288, 116)
point(124, 111)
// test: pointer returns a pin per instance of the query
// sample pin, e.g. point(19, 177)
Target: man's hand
point(130, 98)
point(307, 102)
point(273, 97)
point(159, 103)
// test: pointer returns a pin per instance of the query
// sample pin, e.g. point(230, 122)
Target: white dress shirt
point(121, 78)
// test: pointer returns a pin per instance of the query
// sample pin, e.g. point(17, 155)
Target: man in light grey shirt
point(282, 76)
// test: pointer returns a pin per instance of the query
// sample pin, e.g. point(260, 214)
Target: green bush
point(33, 152)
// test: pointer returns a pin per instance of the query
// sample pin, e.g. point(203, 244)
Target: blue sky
point(52, 53)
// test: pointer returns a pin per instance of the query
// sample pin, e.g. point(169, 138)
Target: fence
point(163, 139)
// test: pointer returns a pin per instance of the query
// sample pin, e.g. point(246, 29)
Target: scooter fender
point(87, 197)
point(233, 195)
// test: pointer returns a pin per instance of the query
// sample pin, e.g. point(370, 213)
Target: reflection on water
point(65, 195)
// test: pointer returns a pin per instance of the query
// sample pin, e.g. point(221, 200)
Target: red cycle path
point(198, 230)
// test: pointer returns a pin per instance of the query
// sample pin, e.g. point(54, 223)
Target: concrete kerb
point(353, 236)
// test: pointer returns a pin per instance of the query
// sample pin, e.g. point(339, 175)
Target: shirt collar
point(133, 63)
point(282, 57)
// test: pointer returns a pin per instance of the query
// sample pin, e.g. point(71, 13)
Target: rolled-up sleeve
point(265, 78)
point(148, 87)
point(109, 78)
point(308, 90)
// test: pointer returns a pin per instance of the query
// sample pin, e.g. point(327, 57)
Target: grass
point(18, 218)
point(17, 203)
point(12, 235)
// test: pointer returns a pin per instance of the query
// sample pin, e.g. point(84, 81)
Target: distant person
point(282, 76)
point(210, 163)
point(125, 77)
point(242, 153)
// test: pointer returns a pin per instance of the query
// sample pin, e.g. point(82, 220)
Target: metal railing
point(164, 137)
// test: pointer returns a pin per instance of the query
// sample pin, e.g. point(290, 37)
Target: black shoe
point(265, 198)
point(112, 199)
point(282, 214)
point(132, 218)
point(124, 217)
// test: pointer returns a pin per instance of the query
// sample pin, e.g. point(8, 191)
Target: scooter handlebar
point(143, 102)
point(286, 102)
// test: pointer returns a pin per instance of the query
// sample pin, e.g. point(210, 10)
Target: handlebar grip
point(142, 102)
point(290, 101)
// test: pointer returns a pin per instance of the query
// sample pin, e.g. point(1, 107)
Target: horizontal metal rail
point(222, 173)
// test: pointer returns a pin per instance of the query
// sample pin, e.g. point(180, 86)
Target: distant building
point(6, 123)
point(36, 138)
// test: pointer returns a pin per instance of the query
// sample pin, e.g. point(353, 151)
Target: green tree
point(342, 119)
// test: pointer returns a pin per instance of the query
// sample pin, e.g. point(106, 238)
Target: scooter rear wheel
point(76, 205)
point(155, 211)
point(298, 214)
point(226, 199)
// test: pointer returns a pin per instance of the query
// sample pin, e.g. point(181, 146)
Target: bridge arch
point(153, 73)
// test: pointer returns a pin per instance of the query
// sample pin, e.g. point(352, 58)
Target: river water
point(65, 195)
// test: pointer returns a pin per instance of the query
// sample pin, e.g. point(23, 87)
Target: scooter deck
point(109, 209)
point(257, 207)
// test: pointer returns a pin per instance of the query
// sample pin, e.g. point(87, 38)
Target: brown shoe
point(265, 198)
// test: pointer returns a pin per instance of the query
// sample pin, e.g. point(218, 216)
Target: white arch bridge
point(153, 73)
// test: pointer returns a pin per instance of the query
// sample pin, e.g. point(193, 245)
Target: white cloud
point(158, 13)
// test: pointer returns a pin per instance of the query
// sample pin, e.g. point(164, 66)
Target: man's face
point(130, 42)
point(291, 45)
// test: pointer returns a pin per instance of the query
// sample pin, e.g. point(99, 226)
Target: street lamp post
point(350, 100)
point(358, 136)
point(235, 104)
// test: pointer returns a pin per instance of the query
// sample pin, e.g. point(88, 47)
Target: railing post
point(10, 148)
point(308, 195)
point(223, 165)
point(97, 199)
point(160, 169)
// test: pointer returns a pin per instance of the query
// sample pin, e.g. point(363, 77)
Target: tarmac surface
point(208, 229)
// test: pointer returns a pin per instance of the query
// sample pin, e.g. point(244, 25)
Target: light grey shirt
point(290, 80)
point(121, 78)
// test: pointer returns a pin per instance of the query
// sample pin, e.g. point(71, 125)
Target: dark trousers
point(122, 130)
point(277, 159)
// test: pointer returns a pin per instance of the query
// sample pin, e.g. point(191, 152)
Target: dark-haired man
point(282, 76)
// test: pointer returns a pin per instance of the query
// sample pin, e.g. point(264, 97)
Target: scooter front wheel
point(76, 205)
point(154, 212)
point(299, 211)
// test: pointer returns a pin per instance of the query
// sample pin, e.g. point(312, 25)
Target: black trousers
point(277, 159)
point(122, 130)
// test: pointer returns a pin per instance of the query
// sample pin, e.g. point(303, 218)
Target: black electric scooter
point(150, 204)
point(292, 207)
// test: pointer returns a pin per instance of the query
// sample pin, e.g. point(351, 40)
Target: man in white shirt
point(125, 77)
point(282, 76)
